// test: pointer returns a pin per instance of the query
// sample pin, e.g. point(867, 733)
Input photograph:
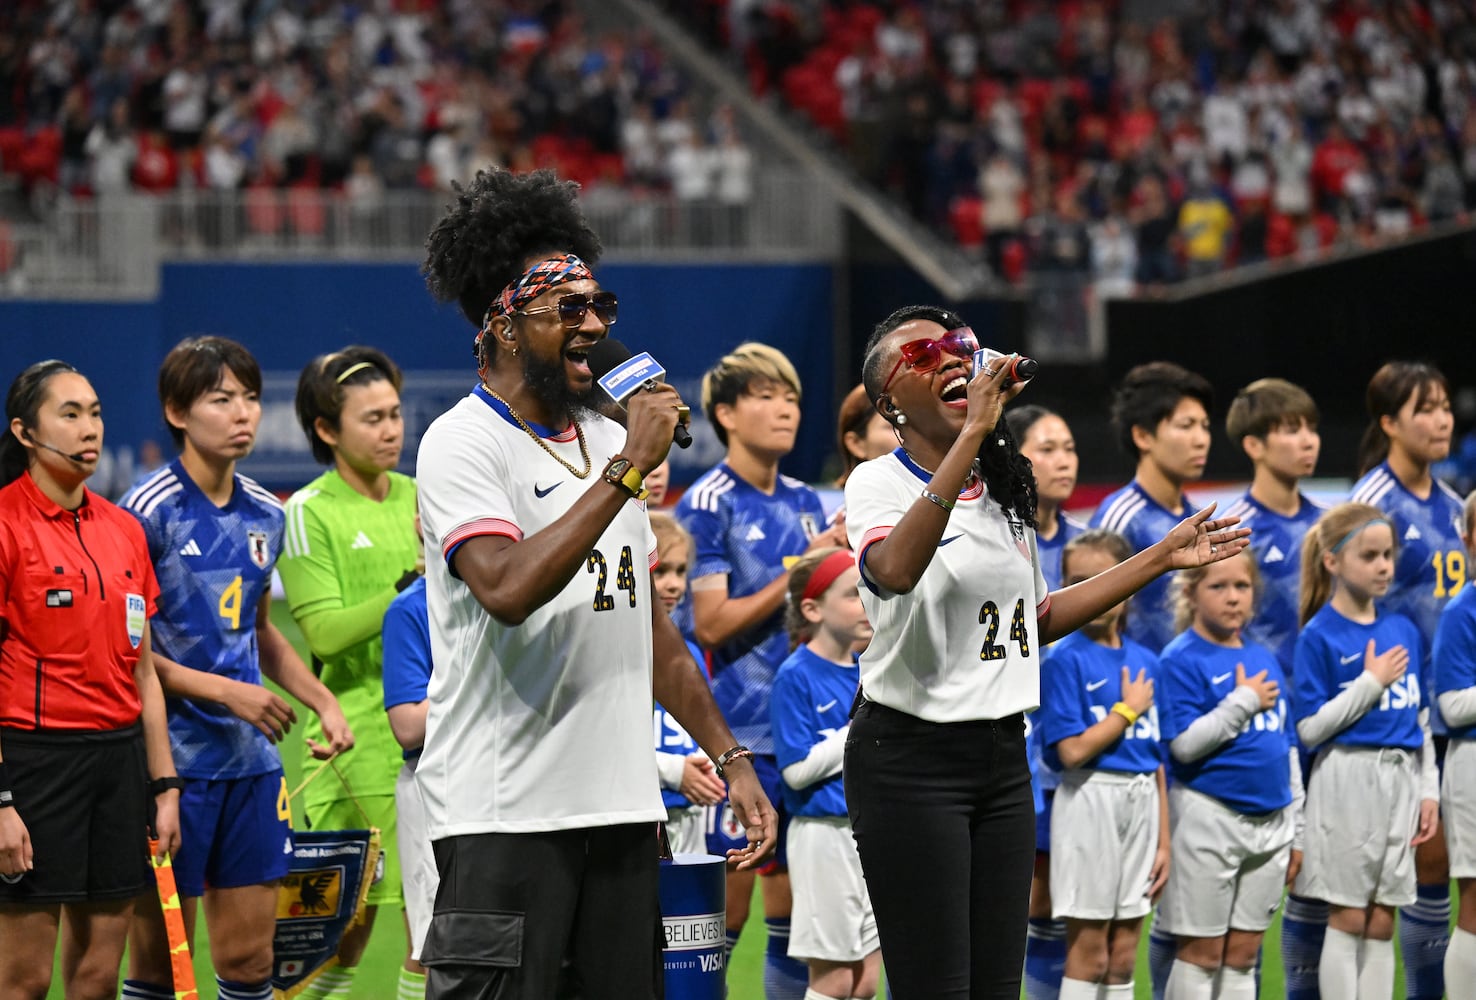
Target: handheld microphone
point(1020, 368)
point(621, 375)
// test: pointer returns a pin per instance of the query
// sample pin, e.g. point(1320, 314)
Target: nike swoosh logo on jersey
point(825, 707)
point(541, 493)
point(1221, 679)
point(1345, 660)
point(1093, 685)
point(950, 538)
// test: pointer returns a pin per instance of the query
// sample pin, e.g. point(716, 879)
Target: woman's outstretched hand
point(1198, 541)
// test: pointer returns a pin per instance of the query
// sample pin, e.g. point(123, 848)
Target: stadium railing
point(111, 247)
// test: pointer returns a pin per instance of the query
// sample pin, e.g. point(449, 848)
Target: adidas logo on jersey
point(361, 541)
point(755, 534)
point(191, 548)
point(1275, 555)
point(1411, 534)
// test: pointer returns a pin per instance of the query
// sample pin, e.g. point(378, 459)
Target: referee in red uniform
point(84, 750)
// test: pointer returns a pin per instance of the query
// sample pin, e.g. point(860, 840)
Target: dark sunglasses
point(573, 307)
point(924, 356)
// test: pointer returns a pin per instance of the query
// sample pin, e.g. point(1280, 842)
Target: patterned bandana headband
point(539, 278)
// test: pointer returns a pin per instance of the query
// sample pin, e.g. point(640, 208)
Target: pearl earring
point(901, 419)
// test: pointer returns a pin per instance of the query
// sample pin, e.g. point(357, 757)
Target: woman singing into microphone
point(936, 774)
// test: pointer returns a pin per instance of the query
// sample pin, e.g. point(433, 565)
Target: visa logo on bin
point(694, 931)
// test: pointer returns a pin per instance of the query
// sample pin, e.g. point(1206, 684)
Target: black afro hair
point(497, 223)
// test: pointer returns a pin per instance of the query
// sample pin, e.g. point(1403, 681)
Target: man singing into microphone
point(538, 775)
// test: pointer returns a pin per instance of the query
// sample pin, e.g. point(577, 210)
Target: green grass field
point(377, 974)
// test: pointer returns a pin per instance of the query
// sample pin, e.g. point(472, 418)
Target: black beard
point(550, 384)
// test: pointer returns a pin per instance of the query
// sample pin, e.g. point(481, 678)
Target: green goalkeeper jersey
point(342, 556)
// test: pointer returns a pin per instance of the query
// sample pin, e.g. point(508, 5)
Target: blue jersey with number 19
point(213, 564)
point(745, 534)
point(1431, 565)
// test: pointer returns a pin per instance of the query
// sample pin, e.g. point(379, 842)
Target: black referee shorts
point(84, 799)
point(534, 916)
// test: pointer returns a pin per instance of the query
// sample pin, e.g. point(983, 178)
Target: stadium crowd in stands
point(101, 96)
point(1076, 136)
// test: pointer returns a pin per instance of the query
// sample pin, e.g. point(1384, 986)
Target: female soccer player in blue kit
point(214, 537)
point(1409, 430)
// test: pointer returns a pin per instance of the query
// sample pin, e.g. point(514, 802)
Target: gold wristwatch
point(623, 473)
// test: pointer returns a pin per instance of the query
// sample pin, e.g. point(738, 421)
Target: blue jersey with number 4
point(811, 701)
point(1139, 518)
point(214, 564)
point(1081, 681)
point(1250, 772)
point(1330, 655)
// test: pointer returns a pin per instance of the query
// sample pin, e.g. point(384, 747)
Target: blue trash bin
point(694, 919)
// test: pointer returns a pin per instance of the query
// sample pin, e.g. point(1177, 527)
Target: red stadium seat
point(966, 216)
point(305, 211)
point(12, 141)
point(264, 215)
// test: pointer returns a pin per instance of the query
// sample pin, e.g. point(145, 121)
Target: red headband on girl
point(825, 574)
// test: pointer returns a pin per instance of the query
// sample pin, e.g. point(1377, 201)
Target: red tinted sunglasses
point(924, 356)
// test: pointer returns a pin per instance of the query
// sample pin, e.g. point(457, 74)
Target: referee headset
point(46, 369)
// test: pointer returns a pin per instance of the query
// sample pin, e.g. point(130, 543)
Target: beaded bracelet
point(935, 498)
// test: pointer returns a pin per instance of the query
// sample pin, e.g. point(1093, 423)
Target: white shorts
point(1458, 807)
point(686, 829)
point(1227, 869)
point(832, 918)
point(1104, 835)
point(418, 876)
point(1362, 810)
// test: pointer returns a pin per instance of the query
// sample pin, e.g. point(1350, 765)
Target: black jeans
point(945, 825)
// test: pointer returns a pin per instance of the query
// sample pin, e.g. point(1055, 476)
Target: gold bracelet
point(1123, 709)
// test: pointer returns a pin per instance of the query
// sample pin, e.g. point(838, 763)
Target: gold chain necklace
point(578, 433)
